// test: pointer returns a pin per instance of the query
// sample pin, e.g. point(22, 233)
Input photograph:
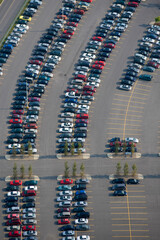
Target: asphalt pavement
point(132, 217)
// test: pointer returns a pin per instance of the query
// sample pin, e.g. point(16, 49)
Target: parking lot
point(140, 118)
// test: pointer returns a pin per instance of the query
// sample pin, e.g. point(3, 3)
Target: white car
point(34, 66)
point(83, 107)
point(22, 26)
point(66, 115)
point(89, 55)
point(31, 130)
point(64, 120)
point(13, 194)
point(29, 215)
point(81, 221)
point(29, 210)
point(114, 38)
point(92, 84)
point(13, 209)
point(80, 204)
point(16, 145)
point(65, 204)
point(82, 68)
point(40, 85)
point(71, 95)
point(147, 39)
point(140, 56)
point(79, 140)
point(148, 44)
point(86, 59)
point(83, 150)
point(95, 43)
point(83, 237)
point(31, 188)
point(86, 102)
point(72, 105)
point(13, 228)
point(65, 130)
point(61, 140)
point(32, 117)
point(29, 233)
point(156, 60)
point(29, 222)
point(67, 124)
point(117, 5)
point(136, 140)
point(80, 72)
point(93, 79)
point(34, 108)
point(125, 87)
point(66, 193)
point(64, 198)
point(82, 111)
point(47, 74)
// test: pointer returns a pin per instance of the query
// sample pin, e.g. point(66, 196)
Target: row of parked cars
point(67, 193)
point(119, 185)
point(86, 80)
point(129, 144)
point(38, 72)
point(149, 47)
point(20, 204)
point(19, 29)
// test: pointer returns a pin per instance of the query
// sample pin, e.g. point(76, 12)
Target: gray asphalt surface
point(143, 216)
point(8, 11)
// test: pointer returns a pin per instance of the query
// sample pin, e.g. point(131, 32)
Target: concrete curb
point(112, 155)
point(60, 177)
point(138, 176)
point(82, 156)
point(25, 158)
point(34, 177)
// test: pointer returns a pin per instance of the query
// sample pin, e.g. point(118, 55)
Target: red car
point(36, 62)
point(14, 215)
point(66, 181)
point(153, 64)
point(63, 221)
point(15, 121)
point(88, 1)
point(89, 88)
point(31, 125)
point(87, 93)
point(109, 45)
point(29, 193)
point(29, 227)
point(80, 76)
point(113, 144)
point(34, 99)
point(82, 116)
point(14, 234)
point(73, 24)
point(63, 210)
point(16, 182)
point(100, 63)
point(66, 36)
point(16, 116)
point(18, 112)
point(82, 121)
point(133, 4)
point(96, 38)
point(13, 222)
point(97, 66)
point(69, 32)
point(79, 11)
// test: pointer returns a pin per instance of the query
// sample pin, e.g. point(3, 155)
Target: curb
point(138, 176)
point(82, 156)
point(25, 158)
point(34, 177)
point(112, 155)
point(60, 177)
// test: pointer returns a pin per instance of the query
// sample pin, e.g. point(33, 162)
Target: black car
point(38, 90)
point(35, 94)
point(47, 69)
point(18, 107)
point(18, 136)
point(26, 140)
point(21, 93)
point(81, 197)
point(71, 110)
point(103, 54)
point(29, 205)
point(79, 187)
point(127, 82)
point(11, 204)
point(133, 181)
point(12, 188)
point(130, 78)
point(131, 73)
point(83, 135)
point(29, 199)
point(30, 135)
point(11, 141)
point(36, 112)
point(100, 58)
point(77, 125)
point(11, 199)
point(106, 49)
point(82, 215)
point(20, 102)
point(79, 209)
point(80, 130)
point(18, 125)
point(65, 135)
point(67, 227)
point(97, 71)
point(118, 181)
point(83, 227)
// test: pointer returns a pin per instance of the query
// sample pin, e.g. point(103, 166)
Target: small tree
point(22, 171)
point(132, 149)
point(82, 169)
point(126, 171)
point(30, 171)
point(134, 170)
point(66, 148)
point(22, 149)
point(14, 151)
point(74, 170)
point(29, 149)
point(15, 174)
point(72, 149)
point(79, 148)
point(66, 170)
point(124, 146)
point(157, 19)
point(116, 147)
point(118, 168)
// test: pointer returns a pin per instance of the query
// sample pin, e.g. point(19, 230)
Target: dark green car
point(17, 130)
point(12, 188)
point(3, 60)
point(145, 77)
point(31, 182)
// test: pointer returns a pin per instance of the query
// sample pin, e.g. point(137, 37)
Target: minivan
point(64, 215)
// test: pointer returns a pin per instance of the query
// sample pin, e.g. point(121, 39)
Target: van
point(77, 81)
point(120, 186)
point(64, 215)
point(146, 77)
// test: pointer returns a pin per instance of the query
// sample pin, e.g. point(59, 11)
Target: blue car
point(71, 100)
point(80, 192)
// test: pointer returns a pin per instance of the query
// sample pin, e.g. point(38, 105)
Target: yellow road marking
point(129, 236)
point(129, 212)
point(127, 129)
point(120, 109)
point(131, 224)
point(143, 85)
point(120, 230)
point(141, 93)
point(126, 207)
point(117, 123)
point(128, 119)
point(128, 115)
point(147, 90)
point(141, 219)
point(129, 202)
